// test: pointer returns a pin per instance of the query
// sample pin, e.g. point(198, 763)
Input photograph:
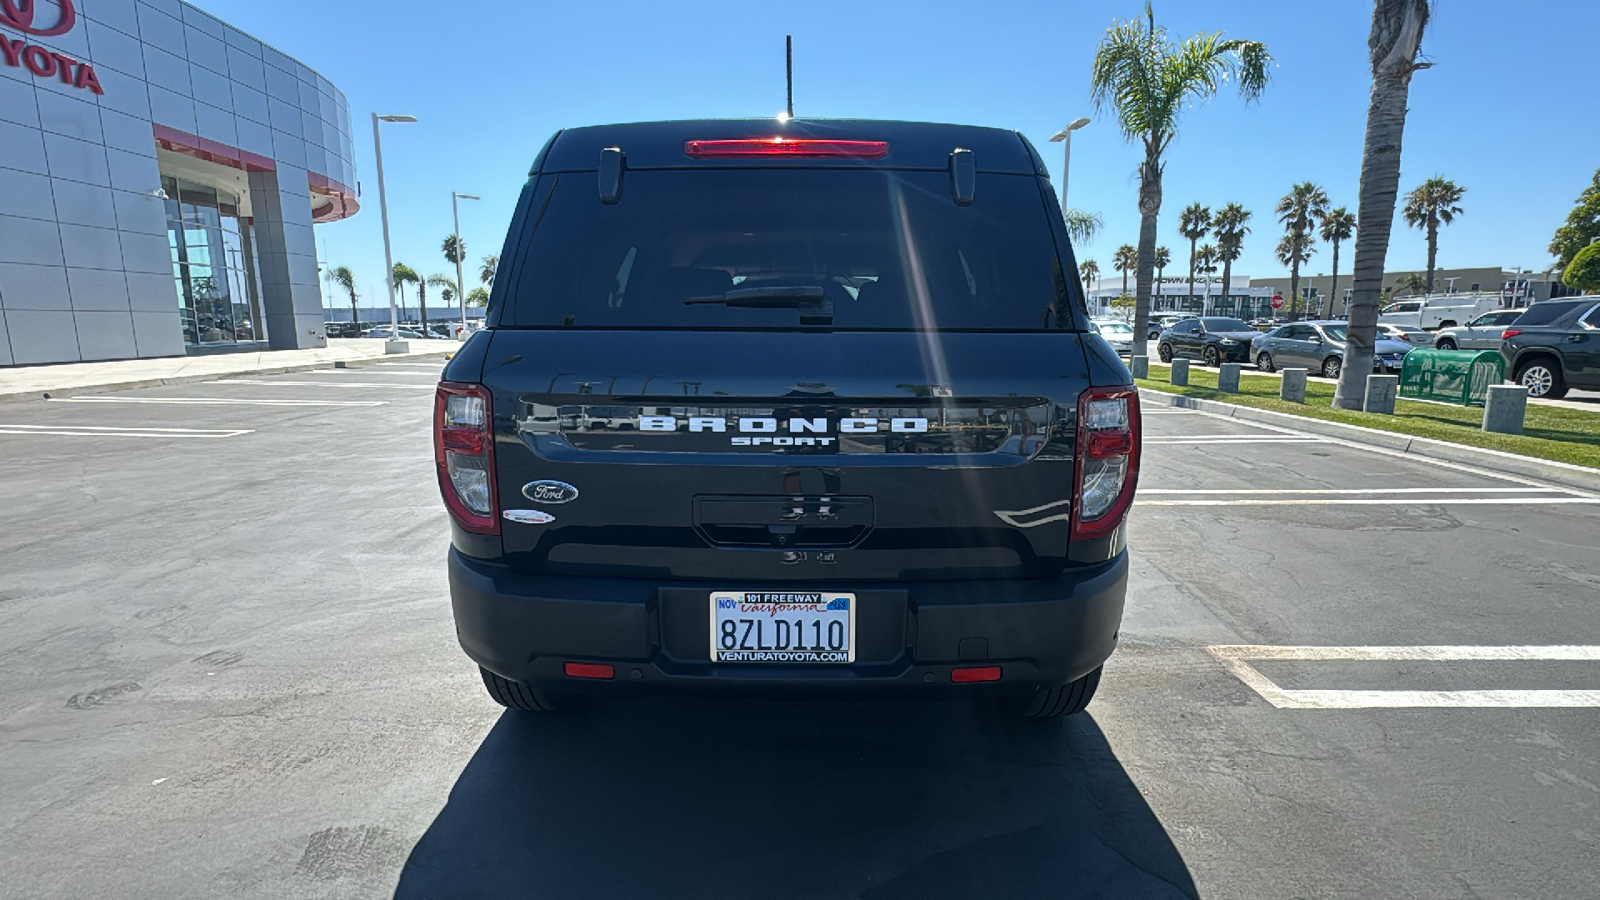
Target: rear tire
point(1331, 367)
point(1063, 700)
point(1264, 362)
point(515, 694)
point(1446, 344)
point(1542, 377)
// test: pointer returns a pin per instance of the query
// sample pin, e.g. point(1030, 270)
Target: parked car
point(1405, 334)
point(1162, 323)
point(383, 331)
point(1439, 310)
point(1118, 334)
point(1213, 340)
point(1482, 333)
point(1555, 346)
point(808, 501)
point(1319, 346)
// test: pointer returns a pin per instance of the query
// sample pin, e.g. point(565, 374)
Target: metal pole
point(388, 254)
point(788, 71)
point(461, 287)
point(1066, 167)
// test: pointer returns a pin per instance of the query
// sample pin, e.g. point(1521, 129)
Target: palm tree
point(1298, 211)
point(346, 279)
point(487, 270)
point(477, 297)
point(1392, 46)
point(1429, 205)
point(1194, 223)
point(1162, 260)
point(1147, 79)
point(455, 249)
point(446, 285)
point(1124, 260)
point(1090, 271)
point(1205, 260)
point(1337, 225)
point(404, 275)
point(1292, 251)
point(1411, 283)
point(1082, 226)
point(1230, 229)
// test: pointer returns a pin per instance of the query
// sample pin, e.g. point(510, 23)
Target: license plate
point(779, 627)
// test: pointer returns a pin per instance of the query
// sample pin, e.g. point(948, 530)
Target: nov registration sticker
point(775, 627)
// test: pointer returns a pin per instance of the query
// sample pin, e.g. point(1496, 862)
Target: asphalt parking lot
point(230, 671)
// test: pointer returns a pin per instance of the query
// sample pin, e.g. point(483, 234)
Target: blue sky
point(491, 81)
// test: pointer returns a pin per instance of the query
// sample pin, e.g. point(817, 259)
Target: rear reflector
point(590, 670)
point(801, 148)
point(978, 673)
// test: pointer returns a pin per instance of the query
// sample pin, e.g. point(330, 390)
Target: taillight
point(463, 450)
point(1510, 333)
point(1108, 460)
point(786, 147)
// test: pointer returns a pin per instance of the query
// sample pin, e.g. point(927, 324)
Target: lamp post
point(394, 345)
point(1064, 137)
point(461, 285)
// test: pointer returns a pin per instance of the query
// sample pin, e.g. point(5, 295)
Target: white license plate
point(783, 627)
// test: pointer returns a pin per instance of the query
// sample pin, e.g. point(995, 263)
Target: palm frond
point(1082, 226)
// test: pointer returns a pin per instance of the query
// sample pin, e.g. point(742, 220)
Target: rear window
point(780, 248)
point(1545, 313)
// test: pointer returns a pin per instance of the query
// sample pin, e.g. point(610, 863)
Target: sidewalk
point(36, 382)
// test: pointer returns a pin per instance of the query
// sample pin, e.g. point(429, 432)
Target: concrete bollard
point(1228, 378)
point(1381, 393)
point(1293, 388)
point(1139, 366)
point(1505, 407)
point(1180, 373)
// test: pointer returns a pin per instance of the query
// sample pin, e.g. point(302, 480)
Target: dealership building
point(160, 174)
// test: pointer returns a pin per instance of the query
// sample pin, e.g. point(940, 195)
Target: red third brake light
point(799, 148)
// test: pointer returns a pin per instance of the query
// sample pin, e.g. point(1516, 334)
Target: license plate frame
point(783, 611)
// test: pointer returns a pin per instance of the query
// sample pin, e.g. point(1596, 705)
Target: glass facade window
point(214, 265)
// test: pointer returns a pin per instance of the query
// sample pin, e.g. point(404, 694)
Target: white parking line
point(342, 384)
point(1236, 659)
point(1232, 439)
point(219, 401)
point(119, 431)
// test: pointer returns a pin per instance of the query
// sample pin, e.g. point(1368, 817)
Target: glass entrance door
point(214, 265)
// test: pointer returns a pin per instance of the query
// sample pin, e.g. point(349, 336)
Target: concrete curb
point(1564, 474)
point(107, 387)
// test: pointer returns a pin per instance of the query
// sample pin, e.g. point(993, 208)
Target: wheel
point(1542, 378)
point(1063, 700)
point(1331, 366)
point(1211, 357)
point(1446, 344)
point(1165, 352)
point(1264, 362)
point(515, 694)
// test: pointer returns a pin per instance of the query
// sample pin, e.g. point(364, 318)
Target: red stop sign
point(1277, 301)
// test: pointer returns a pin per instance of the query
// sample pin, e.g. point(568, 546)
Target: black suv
point(801, 408)
point(1555, 346)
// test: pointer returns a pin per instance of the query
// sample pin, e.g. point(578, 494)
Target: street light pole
point(461, 285)
point(1064, 137)
point(394, 345)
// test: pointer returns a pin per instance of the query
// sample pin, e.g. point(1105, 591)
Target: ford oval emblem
point(549, 492)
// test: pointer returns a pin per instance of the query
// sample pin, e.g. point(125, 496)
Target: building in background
point(160, 174)
point(1242, 298)
point(1517, 287)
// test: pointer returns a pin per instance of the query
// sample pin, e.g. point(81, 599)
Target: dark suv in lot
point(1213, 340)
point(859, 436)
point(1555, 346)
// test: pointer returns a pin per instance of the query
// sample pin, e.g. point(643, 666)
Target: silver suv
point(1482, 333)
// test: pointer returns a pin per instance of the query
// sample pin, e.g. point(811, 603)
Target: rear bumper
point(909, 636)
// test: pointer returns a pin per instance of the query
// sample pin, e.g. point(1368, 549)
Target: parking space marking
point(122, 431)
point(341, 384)
point(1232, 439)
point(219, 401)
point(1236, 658)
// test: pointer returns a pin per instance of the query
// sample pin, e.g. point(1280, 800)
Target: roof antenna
point(788, 67)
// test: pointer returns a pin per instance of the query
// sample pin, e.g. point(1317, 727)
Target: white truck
point(1440, 310)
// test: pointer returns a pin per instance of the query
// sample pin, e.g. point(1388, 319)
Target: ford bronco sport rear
point(809, 408)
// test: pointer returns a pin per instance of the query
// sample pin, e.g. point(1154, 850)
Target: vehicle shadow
point(674, 797)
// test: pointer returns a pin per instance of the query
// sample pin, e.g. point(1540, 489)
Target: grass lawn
point(1549, 432)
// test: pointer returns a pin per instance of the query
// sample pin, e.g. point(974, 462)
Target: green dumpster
point(1451, 376)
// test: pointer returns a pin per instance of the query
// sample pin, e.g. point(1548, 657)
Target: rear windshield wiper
point(766, 297)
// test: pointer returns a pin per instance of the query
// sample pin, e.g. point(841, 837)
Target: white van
point(1441, 311)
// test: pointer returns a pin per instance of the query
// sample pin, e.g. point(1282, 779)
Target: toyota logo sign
point(42, 61)
point(18, 14)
